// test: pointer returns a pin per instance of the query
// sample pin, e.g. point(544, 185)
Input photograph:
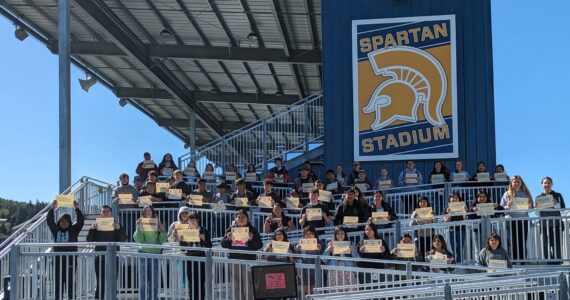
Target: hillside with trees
point(16, 213)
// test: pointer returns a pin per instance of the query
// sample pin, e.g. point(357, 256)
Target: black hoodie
point(68, 235)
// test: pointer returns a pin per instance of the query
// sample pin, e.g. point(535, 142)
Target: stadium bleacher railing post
point(306, 130)
point(485, 226)
point(14, 259)
point(110, 272)
point(209, 265)
point(409, 270)
point(223, 154)
point(318, 274)
point(447, 191)
point(447, 292)
point(264, 147)
point(563, 283)
point(398, 228)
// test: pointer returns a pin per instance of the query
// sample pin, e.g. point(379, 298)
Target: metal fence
point(291, 129)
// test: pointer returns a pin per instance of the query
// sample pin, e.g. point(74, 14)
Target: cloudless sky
point(531, 48)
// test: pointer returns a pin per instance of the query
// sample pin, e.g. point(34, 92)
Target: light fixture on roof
point(123, 102)
point(252, 36)
point(88, 82)
point(279, 93)
point(214, 90)
point(20, 33)
point(165, 33)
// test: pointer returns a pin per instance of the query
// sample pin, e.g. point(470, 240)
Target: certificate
point(292, 202)
point(347, 220)
point(501, 177)
point(190, 235)
point(309, 244)
point(196, 200)
point(341, 247)
point(280, 247)
point(231, 176)
point(125, 198)
point(439, 259)
point(411, 179)
point(148, 164)
point(380, 216)
point(180, 226)
point(265, 201)
point(242, 202)
point(459, 177)
point(105, 224)
point(485, 209)
point(240, 235)
point(497, 263)
point(144, 201)
point(437, 178)
point(325, 196)
point(520, 203)
point(162, 187)
point(456, 208)
point(362, 186)
point(483, 177)
point(314, 214)
point(332, 186)
point(209, 175)
point(190, 172)
point(545, 201)
point(307, 187)
point(167, 171)
point(424, 213)
point(250, 176)
point(373, 246)
point(174, 194)
point(67, 200)
point(406, 250)
point(384, 184)
point(149, 224)
point(218, 207)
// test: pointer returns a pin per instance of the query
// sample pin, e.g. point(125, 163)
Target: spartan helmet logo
point(417, 79)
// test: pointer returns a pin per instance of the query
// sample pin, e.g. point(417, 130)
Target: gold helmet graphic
point(417, 79)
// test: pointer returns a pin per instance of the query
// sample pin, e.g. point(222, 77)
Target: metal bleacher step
point(88, 220)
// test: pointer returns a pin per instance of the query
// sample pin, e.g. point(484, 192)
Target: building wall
point(474, 81)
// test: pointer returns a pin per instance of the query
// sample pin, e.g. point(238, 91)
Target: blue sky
point(531, 72)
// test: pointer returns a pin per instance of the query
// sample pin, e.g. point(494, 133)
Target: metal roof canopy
point(232, 62)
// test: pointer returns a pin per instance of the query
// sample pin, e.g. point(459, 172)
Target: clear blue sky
point(531, 72)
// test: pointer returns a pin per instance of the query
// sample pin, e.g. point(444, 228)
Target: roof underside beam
point(185, 123)
point(203, 53)
point(125, 39)
point(225, 97)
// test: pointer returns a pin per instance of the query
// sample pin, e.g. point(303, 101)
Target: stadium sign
point(404, 88)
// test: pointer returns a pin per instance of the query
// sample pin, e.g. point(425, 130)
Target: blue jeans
point(149, 279)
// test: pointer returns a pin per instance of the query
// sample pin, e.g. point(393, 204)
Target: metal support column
point(209, 275)
point(111, 272)
point(14, 269)
point(64, 95)
point(306, 121)
point(264, 139)
point(192, 141)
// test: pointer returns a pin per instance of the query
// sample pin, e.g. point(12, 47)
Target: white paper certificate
point(250, 176)
point(380, 216)
point(231, 176)
point(190, 235)
point(483, 177)
point(265, 201)
point(325, 196)
point(384, 184)
point(241, 202)
point(347, 220)
point(406, 250)
point(457, 208)
point(314, 214)
point(162, 187)
point(125, 198)
point(485, 209)
point(373, 246)
point(240, 235)
point(307, 187)
point(292, 202)
point(174, 194)
point(424, 213)
point(209, 175)
point(411, 178)
point(341, 247)
point(105, 224)
point(309, 244)
point(144, 200)
point(149, 224)
point(545, 201)
point(196, 200)
point(280, 247)
point(520, 203)
point(332, 186)
point(65, 200)
point(437, 178)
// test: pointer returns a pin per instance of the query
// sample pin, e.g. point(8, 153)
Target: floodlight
point(87, 83)
point(252, 36)
point(123, 102)
point(20, 33)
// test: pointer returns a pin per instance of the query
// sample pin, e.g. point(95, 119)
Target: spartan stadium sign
point(404, 88)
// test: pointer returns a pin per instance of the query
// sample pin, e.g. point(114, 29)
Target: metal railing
point(91, 195)
point(292, 129)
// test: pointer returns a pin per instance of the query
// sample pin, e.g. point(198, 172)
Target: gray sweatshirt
point(485, 255)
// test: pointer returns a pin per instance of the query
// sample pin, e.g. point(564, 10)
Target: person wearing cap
point(201, 189)
point(125, 188)
point(195, 270)
point(278, 173)
point(180, 184)
point(242, 285)
point(312, 175)
point(304, 178)
point(332, 184)
point(241, 192)
point(362, 181)
point(354, 174)
point(350, 207)
point(64, 231)
point(145, 166)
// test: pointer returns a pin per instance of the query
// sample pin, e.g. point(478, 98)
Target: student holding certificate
point(482, 198)
point(268, 192)
point(459, 175)
point(145, 166)
point(410, 175)
point(278, 173)
point(150, 191)
point(493, 253)
point(350, 207)
point(180, 184)
point(413, 255)
point(308, 275)
point(439, 173)
point(209, 173)
point(251, 174)
point(518, 230)
point(242, 285)
point(64, 231)
point(439, 253)
point(202, 190)
point(279, 244)
point(332, 184)
point(362, 181)
point(481, 168)
point(103, 234)
point(277, 220)
point(340, 277)
point(167, 166)
point(380, 205)
point(384, 181)
point(242, 193)
point(371, 247)
point(231, 174)
point(152, 235)
point(304, 182)
point(340, 176)
point(308, 213)
point(551, 229)
point(191, 172)
point(457, 234)
point(125, 188)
